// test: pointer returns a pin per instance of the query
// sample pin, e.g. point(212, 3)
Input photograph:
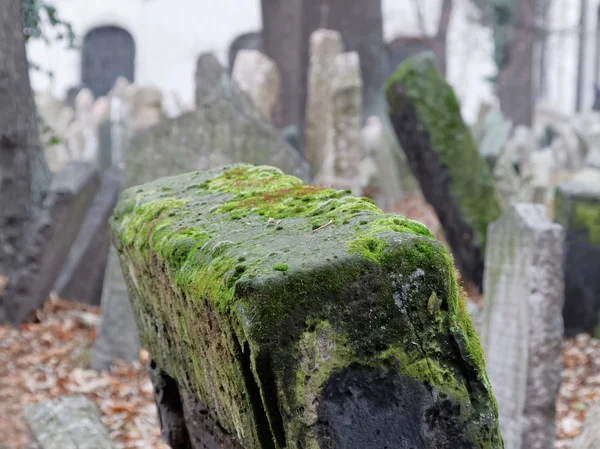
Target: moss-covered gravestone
point(454, 177)
point(577, 209)
point(288, 315)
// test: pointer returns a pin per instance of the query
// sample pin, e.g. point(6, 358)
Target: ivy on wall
point(33, 11)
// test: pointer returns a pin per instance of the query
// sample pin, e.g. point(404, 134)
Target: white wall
point(169, 35)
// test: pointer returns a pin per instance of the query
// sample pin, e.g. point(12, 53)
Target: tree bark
point(24, 175)
point(439, 41)
point(515, 77)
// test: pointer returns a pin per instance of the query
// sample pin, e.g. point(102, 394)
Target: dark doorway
point(108, 52)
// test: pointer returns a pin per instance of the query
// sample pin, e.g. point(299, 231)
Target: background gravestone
point(71, 422)
point(82, 275)
point(246, 41)
point(522, 325)
point(226, 127)
point(51, 237)
point(454, 177)
point(325, 45)
point(577, 209)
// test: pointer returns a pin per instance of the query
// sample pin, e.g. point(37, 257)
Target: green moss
point(360, 286)
point(587, 217)
point(417, 83)
point(578, 213)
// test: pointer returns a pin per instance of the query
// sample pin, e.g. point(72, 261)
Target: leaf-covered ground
point(50, 357)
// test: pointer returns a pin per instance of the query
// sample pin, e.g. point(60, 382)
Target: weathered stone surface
point(82, 275)
point(577, 209)
point(258, 76)
point(454, 178)
point(225, 128)
point(522, 326)
point(275, 305)
point(51, 237)
point(325, 45)
point(590, 432)
point(72, 422)
point(341, 166)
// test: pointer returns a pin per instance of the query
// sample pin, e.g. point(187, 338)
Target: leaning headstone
point(454, 177)
point(82, 275)
point(63, 211)
point(494, 136)
point(224, 128)
point(522, 326)
point(258, 76)
point(295, 316)
point(325, 45)
point(71, 422)
point(577, 209)
point(343, 143)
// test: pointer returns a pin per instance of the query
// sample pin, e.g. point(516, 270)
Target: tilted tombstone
point(55, 229)
point(522, 324)
point(224, 128)
point(82, 275)
point(279, 314)
point(577, 209)
point(454, 177)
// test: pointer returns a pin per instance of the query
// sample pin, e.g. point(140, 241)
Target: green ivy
point(32, 16)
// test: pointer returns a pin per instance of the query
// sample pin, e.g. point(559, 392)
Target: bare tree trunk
point(515, 77)
point(24, 175)
point(439, 41)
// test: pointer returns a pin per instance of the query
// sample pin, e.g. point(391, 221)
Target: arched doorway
point(108, 52)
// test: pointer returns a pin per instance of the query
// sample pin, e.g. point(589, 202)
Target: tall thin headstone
point(577, 209)
point(325, 45)
point(258, 76)
point(343, 143)
point(522, 325)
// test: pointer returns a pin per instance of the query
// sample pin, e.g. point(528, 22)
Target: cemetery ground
point(50, 356)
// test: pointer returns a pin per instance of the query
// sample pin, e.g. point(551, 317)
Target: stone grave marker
point(522, 324)
point(303, 318)
point(341, 167)
point(225, 127)
point(325, 45)
point(82, 275)
point(71, 422)
point(577, 209)
point(51, 237)
point(454, 177)
point(258, 76)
